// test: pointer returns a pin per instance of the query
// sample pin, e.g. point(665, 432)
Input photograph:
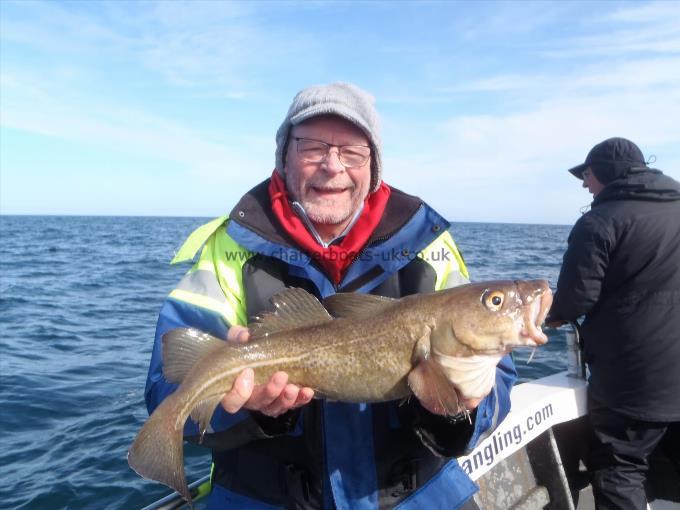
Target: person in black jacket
point(622, 271)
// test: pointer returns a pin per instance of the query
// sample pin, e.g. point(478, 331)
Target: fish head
point(492, 317)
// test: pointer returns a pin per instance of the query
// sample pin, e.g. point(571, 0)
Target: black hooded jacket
point(622, 271)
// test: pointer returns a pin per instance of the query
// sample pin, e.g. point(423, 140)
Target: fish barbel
point(353, 348)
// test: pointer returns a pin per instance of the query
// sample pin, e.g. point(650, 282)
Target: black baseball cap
point(611, 157)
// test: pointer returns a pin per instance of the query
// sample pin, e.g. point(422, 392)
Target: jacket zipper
point(376, 241)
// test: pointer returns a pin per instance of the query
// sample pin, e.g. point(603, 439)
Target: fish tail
point(156, 453)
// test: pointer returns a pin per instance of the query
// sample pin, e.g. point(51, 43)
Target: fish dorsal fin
point(182, 348)
point(356, 306)
point(293, 308)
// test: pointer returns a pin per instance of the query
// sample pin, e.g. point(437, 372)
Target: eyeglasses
point(314, 151)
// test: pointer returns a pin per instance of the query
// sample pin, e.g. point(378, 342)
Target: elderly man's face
point(329, 192)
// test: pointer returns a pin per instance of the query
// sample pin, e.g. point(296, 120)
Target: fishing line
point(533, 351)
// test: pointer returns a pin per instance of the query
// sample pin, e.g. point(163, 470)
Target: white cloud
point(642, 28)
point(497, 84)
point(513, 167)
point(629, 73)
point(219, 46)
point(48, 26)
point(652, 12)
point(201, 154)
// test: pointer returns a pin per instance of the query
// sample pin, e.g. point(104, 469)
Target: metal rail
point(198, 489)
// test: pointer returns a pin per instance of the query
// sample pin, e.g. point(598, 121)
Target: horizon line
point(71, 215)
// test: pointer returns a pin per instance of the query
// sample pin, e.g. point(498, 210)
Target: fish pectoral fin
point(355, 306)
point(433, 389)
point(293, 308)
point(475, 375)
point(182, 348)
point(203, 412)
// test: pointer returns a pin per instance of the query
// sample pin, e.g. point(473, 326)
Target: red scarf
point(336, 258)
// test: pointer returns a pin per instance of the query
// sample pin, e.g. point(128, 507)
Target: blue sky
point(170, 108)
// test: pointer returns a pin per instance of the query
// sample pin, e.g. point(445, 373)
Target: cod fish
point(353, 348)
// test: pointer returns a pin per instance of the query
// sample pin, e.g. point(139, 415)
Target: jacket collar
point(645, 184)
point(254, 212)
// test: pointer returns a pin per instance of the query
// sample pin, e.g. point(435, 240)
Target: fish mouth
point(535, 306)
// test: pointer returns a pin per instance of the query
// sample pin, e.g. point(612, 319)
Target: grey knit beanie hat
point(344, 100)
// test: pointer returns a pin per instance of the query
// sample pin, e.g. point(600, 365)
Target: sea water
point(79, 298)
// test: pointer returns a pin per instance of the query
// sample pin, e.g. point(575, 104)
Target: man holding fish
point(358, 401)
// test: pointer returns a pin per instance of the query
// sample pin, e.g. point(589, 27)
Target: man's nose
point(332, 162)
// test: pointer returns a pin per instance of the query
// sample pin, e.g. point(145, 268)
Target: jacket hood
point(641, 184)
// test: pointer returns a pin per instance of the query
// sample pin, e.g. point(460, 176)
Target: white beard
point(326, 212)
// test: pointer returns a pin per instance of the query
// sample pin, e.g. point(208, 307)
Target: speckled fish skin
point(362, 356)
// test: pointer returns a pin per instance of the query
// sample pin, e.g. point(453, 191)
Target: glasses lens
point(311, 150)
point(354, 155)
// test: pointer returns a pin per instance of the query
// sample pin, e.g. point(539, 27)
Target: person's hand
point(273, 398)
point(552, 322)
point(238, 334)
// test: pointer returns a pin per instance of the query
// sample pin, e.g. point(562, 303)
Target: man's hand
point(272, 398)
point(552, 322)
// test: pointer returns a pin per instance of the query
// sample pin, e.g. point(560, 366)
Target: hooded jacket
point(622, 271)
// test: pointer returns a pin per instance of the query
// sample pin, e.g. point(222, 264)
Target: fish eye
point(494, 299)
